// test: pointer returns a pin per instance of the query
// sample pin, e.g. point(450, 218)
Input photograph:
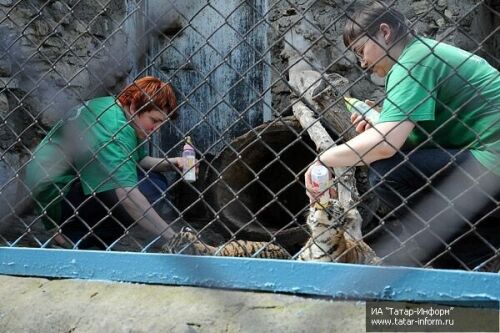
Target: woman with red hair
point(85, 174)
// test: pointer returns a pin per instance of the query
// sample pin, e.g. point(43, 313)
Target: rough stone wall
point(56, 48)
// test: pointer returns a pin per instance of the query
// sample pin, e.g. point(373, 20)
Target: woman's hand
point(373, 105)
point(359, 121)
point(166, 164)
point(179, 162)
point(308, 183)
point(310, 191)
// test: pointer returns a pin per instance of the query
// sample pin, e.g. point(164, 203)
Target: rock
point(420, 7)
point(280, 87)
point(53, 43)
point(99, 27)
point(42, 28)
point(7, 38)
point(60, 12)
point(5, 66)
point(8, 187)
point(442, 3)
point(80, 28)
point(446, 35)
point(379, 81)
point(463, 41)
point(4, 104)
point(9, 83)
point(6, 3)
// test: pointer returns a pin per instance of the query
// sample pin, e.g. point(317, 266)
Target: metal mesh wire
point(241, 70)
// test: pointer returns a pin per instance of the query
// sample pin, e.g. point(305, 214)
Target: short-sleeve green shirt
point(453, 96)
point(96, 145)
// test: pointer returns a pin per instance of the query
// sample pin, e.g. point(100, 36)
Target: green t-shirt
point(95, 144)
point(453, 97)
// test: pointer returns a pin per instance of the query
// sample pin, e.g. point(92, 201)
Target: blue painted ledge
point(343, 281)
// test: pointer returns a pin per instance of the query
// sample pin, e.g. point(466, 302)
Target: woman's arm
point(140, 210)
point(161, 164)
point(380, 142)
point(376, 143)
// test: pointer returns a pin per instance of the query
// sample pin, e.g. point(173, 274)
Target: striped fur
point(332, 244)
point(187, 242)
point(492, 266)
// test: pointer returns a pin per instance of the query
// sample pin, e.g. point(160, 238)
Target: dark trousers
point(98, 221)
point(447, 204)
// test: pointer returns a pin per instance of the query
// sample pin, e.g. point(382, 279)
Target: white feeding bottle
point(320, 178)
point(189, 156)
point(355, 105)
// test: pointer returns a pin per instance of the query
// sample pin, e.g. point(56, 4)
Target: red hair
point(149, 93)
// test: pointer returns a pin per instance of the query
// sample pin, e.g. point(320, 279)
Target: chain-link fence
point(261, 89)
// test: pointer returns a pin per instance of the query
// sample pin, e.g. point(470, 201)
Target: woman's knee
point(387, 182)
point(377, 172)
point(153, 186)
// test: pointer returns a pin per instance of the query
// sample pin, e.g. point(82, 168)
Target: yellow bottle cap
point(349, 103)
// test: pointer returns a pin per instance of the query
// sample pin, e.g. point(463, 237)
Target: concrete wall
point(89, 306)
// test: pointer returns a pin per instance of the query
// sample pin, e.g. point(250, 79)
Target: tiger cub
point(187, 242)
point(492, 266)
point(331, 244)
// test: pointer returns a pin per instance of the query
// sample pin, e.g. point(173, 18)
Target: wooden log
point(305, 82)
point(319, 91)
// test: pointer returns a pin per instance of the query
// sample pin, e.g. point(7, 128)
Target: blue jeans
point(442, 197)
point(93, 227)
point(153, 186)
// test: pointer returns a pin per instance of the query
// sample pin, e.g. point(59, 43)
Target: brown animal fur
point(187, 242)
point(333, 244)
